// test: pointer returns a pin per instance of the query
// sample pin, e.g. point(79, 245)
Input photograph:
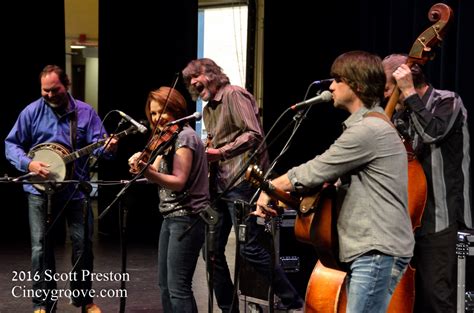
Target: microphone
point(26, 176)
point(322, 81)
point(195, 116)
point(325, 96)
point(142, 129)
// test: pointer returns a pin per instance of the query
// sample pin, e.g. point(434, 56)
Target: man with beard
point(57, 118)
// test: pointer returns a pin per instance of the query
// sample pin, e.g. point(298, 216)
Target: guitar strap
point(380, 115)
point(73, 134)
point(406, 143)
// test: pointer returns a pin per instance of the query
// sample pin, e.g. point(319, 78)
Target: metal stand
point(123, 239)
point(464, 248)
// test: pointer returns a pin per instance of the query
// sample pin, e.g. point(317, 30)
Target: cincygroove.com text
point(55, 294)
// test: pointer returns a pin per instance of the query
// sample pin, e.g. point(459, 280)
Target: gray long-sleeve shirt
point(371, 160)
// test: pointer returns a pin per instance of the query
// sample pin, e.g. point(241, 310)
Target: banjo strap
point(73, 133)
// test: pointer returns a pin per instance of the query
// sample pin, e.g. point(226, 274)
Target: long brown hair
point(176, 105)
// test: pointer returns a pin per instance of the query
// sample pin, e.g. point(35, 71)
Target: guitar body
point(316, 224)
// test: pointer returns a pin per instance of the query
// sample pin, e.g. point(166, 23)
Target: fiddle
point(156, 141)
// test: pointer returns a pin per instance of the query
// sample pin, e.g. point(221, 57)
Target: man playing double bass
point(435, 121)
point(374, 229)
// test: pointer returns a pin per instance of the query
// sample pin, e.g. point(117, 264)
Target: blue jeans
point(177, 261)
point(371, 281)
point(251, 251)
point(42, 245)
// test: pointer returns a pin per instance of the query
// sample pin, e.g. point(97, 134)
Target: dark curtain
point(142, 47)
point(31, 39)
point(302, 40)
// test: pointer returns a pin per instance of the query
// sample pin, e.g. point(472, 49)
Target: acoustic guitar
point(316, 219)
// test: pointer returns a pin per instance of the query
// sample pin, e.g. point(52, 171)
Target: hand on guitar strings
point(266, 206)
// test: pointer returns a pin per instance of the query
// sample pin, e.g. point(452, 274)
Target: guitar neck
point(280, 195)
point(90, 148)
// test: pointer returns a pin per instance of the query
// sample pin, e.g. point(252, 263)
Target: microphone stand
point(124, 210)
point(123, 219)
point(297, 119)
point(274, 226)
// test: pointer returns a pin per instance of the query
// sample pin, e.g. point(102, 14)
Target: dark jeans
point(42, 248)
point(177, 261)
point(435, 277)
point(252, 252)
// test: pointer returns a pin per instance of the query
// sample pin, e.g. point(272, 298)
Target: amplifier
point(464, 248)
point(296, 258)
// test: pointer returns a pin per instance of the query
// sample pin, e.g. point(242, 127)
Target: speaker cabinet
point(296, 258)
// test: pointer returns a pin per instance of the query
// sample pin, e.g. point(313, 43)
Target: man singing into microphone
point(232, 120)
point(374, 230)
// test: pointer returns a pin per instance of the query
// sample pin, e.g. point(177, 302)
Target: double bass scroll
point(421, 50)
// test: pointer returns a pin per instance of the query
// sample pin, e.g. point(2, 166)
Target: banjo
point(59, 158)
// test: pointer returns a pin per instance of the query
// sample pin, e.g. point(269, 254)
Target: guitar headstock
point(254, 175)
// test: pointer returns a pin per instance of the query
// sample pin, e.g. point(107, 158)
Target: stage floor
point(142, 293)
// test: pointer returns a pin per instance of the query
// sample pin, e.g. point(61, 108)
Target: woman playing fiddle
point(181, 175)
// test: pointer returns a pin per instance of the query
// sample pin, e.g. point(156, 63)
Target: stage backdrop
point(142, 47)
point(31, 38)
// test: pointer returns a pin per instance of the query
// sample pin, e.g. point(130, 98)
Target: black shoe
point(293, 306)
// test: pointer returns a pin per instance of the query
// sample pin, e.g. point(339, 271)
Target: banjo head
point(51, 154)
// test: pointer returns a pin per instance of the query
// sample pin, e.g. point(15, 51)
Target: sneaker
point(93, 308)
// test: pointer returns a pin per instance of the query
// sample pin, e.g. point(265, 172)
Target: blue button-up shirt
point(38, 124)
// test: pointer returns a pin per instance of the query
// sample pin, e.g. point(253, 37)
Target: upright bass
point(421, 52)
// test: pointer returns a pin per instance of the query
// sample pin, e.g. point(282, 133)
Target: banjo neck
point(57, 156)
point(88, 149)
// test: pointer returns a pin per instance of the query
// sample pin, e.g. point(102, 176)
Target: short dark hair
point(363, 72)
point(63, 78)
